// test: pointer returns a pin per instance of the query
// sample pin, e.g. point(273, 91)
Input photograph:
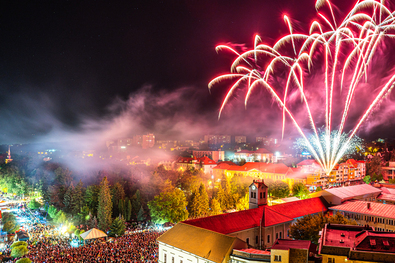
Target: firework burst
point(344, 50)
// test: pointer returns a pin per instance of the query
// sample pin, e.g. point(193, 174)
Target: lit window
point(277, 258)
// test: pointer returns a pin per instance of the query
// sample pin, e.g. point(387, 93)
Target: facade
point(389, 171)
point(185, 243)
point(204, 163)
point(355, 244)
point(217, 139)
point(260, 155)
point(380, 216)
point(213, 155)
point(240, 139)
point(148, 141)
point(292, 251)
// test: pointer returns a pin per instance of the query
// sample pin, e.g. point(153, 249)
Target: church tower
point(258, 194)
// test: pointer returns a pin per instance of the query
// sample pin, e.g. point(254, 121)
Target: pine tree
point(68, 198)
point(117, 193)
point(104, 208)
point(78, 198)
point(129, 211)
point(215, 207)
point(141, 215)
point(117, 227)
point(136, 203)
point(204, 201)
point(194, 204)
point(121, 207)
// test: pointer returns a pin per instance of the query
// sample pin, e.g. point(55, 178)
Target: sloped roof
point(353, 191)
point(308, 162)
point(201, 242)
point(92, 234)
point(205, 161)
point(270, 215)
point(301, 208)
point(278, 168)
point(286, 244)
point(376, 209)
point(386, 197)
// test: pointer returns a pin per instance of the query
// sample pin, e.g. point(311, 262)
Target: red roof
point(270, 215)
point(361, 207)
point(278, 168)
point(308, 162)
point(254, 251)
point(286, 244)
point(205, 161)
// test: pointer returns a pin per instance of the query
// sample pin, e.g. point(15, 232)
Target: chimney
point(368, 205)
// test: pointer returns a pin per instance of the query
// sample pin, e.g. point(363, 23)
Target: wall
point(178, 255)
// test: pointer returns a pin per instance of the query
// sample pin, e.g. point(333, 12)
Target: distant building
point(213, 155)
point(203, 163)
point(217, 139)
point(354, 244)
point(137, 140)
point(240, 139)
point(148, 141)
point(8, 160)
point(260, 155)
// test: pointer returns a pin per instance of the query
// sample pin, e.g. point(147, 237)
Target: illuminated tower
point(8, 160)
point(258, 194)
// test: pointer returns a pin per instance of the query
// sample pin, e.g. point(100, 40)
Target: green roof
point(204, 243)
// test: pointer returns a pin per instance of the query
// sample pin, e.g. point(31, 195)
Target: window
point(288, 233)
point(331, 260)
point(276, 235)
point(172, 259)
point(180, 260)
point(264, 195)
point(248, 241)
point(165, 258)
point(268, 238)
point(256, 240)
point(277, 258)
point(280, 234)
point(252, 195)
point(260, 194)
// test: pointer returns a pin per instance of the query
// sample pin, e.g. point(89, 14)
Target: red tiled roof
point(286, 244)
point(205, 161)
point(301, 208)
point(270, 215)
point(308, 162)
point(222, 166)
point(376, 209)
point(386, 197)
point(254, 251)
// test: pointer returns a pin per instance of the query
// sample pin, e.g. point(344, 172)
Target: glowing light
point(341, 52)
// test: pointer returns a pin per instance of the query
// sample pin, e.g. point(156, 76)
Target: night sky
point(107, 69)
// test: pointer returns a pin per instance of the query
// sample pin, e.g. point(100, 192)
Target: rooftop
point(286, 244)
point(350, 192)
point(361, 207)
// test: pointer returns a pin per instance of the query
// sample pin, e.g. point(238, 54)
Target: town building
point(240, 139)
point(292, 251)
point(216, 156)
point(203, 163)
point(185, 243)
point(339, 195)
point(217, 139)
point(260, 227)
point(260, 155)
point(389, 171)
point(355, 244)
point(148, 141)
point(380, 216)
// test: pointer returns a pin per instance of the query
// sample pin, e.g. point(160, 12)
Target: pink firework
point(344, 51)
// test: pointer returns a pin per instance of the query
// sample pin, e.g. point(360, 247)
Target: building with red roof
point(203, 163)
point(380, 216)
point(346, 243)
point(264, 223)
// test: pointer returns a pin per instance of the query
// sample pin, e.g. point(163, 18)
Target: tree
point(168, 206)
point(243, 202)
point(308, 227)
point(278, 189)
point(194, 205)
point(117, 227)
point(215, 207)
point(52, 211)
point(318, 189)
point(128, 211)
point(78, 198)
point(117, 193)
point(91, 198)
point(10, 227)
point(68, 198)
point(136, 204)
point(104, 208)
point(141, 215)
point(121, 207)
point(19, 249)
point(33, 204)
point(367, 179)
point(300, 190)
point(374, 166)
point(204, 201)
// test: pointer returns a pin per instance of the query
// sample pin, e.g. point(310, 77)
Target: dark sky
point(74, 68)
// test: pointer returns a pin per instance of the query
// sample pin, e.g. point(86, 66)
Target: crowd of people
point(137, 245)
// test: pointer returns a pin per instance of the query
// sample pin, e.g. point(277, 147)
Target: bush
point(19, 251)
point(33, 204)
point(18, 243)
point(117, 227)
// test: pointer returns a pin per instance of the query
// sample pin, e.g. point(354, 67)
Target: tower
point(8, 160)
point(257, 194)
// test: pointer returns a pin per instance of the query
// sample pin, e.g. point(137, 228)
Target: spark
point(343, 49)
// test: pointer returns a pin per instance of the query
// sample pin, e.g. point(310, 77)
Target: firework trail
point(344, 50)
